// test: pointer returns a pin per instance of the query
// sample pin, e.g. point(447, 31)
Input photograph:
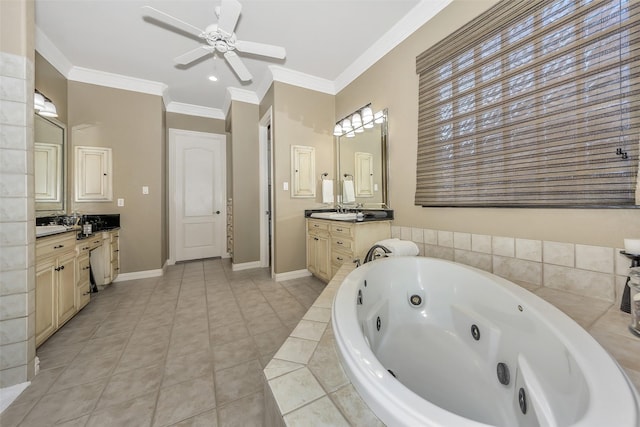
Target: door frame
point(171, 199)
point(265, 136)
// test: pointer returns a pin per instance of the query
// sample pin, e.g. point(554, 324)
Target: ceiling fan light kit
point(219, 38)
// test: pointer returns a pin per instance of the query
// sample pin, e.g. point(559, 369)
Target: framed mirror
point(362, 159)
point(49, 166)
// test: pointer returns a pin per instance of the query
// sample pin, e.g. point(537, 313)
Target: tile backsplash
point(594, 271)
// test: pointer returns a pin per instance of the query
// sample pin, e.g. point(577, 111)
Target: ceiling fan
point(219, 38)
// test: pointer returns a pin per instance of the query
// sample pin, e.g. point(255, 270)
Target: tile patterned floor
point(185, 349)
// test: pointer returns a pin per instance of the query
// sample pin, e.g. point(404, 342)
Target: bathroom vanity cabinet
point(55, 292)
point(332, 243)
point(105, 260)
point(83, 269)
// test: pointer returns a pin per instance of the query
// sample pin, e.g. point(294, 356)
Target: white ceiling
point(328, 43)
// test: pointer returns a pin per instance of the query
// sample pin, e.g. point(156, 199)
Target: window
point(536, 103)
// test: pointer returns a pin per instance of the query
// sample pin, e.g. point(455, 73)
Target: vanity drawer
point(318, 226)
point(342, 229)
point(57, 244)
point(338, 258)
point(341, 244)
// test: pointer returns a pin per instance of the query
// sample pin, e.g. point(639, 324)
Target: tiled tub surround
point(592, 271)
point(305, 382)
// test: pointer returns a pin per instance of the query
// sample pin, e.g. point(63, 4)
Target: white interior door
point(197, 189)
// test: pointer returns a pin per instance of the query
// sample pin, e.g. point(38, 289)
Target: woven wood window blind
point(536, 103)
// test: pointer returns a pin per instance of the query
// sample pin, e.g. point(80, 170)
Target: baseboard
point(139, 275)
point(290, 275)
point(245, 266)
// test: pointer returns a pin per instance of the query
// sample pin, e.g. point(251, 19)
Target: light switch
point(285, 186)
point(145, 189)
point(120, 202)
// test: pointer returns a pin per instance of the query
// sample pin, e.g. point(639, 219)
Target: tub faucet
point(371, 254)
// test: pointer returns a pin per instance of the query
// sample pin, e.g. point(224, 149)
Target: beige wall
point(392, 82)
point(53, 85)
point(300, 117)
point(132, 124)
point(246, 182)
point(196, 124)
point(17, 29)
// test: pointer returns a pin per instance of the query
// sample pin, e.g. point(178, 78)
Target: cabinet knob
point(315, 238)
point(339, 258)
point(339, 242)
point(58, 246)
point(217, 212)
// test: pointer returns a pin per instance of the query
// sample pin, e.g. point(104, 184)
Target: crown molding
point(195, 110)
point(296, 78)
point(416, 18)
point(241, 95)
point(116, 81)
point(51, 53)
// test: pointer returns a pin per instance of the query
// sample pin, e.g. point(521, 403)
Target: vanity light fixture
point(43, 105)
point(38, 101)
point(356, 122)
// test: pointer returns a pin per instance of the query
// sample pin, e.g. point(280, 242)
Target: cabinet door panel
point(66, 288)
point(46, 319)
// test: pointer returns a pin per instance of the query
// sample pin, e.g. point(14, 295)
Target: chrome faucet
point(371, 254)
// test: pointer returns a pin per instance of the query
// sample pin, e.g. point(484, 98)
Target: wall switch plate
point(285, 186)
point(120, 202)
point(145, 189)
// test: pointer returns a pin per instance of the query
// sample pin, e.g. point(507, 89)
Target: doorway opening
point(266, 192)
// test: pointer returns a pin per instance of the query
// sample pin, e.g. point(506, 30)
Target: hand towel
point(348, 192)
point(327, 191)
point(400, 247)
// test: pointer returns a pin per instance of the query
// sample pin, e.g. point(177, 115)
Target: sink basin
point(45, 230)
point(350, 216)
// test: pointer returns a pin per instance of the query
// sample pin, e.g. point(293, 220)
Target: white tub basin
point(350, 216)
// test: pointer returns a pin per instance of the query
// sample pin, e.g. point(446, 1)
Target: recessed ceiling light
point(213, 78)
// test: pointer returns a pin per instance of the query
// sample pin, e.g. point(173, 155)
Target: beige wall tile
point(530, 250)
point(430, 237)
point(405, 233)
point(445, 238)
point(395, 231)
point(439, 252)
point(582, 282)
point(13, 330)
point(481, 243)
point(12, 355)
point(13, 306)
point(558, 253)
point(474, 259)
point(503, 246)
point(518, 269)
point(595, 258)
point(622, 263)
point(417, 235)
point(462, 241)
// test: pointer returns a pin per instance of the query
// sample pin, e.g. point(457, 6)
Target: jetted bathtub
point(428, 342)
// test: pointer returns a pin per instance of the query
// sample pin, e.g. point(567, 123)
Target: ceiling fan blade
point(171, 20)
point(261, 49)
point(192, 55)
point(229, 14)
point(238, 66)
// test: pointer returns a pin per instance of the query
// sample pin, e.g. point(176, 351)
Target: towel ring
point(346, 175)
point(323, 175)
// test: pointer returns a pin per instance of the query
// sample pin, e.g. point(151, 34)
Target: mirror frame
point(43, 209)
point(384, 153)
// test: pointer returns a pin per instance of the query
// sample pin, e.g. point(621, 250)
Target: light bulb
point(346, 126)
point(49, 110)
point(367, 114)
point(356, 121)
point(379, 117)
point(337, 130)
